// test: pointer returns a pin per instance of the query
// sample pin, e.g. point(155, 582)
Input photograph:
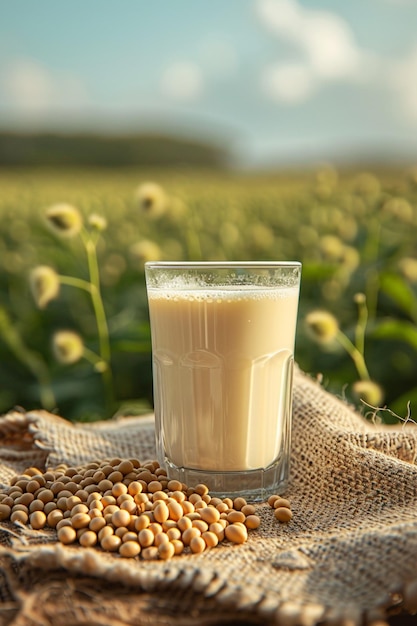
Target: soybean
point(283, 514)
point(166, 550)
point(236, 533)
point(67, 534)
point(129, 549)
point(282, 508)
point(127, 507)
point(37, 520)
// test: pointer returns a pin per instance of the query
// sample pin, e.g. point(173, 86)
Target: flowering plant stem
point(360, 329)
point(72, 281)
point(371, 255)
point(100, 314)
point(355, 354)
point(103, 361)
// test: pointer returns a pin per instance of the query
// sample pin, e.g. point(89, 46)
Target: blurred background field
point(252, 129)
point(354, 231)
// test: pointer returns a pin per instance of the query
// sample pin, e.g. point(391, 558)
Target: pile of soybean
point(126, 507)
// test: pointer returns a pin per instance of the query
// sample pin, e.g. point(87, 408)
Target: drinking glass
point(223, 337)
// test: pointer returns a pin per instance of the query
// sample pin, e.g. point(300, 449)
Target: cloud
point(186, 82)
point(27, 85)
point(289, 83)
point(325, 39)
point(322, 49)
point(183, 82)
point(402, 78)
point(398, 3)
point(323, 45)
point(29, 88)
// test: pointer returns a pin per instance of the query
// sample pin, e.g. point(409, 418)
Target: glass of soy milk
point(223, 338)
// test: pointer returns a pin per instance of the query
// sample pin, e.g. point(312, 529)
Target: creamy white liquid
point(222, 369)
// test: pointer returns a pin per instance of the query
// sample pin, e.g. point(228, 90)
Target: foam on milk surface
point(235, 292)
point(222, 359)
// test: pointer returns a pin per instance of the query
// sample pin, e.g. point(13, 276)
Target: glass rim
point(201, 265)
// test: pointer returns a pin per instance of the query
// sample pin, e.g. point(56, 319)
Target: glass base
point(253, 485)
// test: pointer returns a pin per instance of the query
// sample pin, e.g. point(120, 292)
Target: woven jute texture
point(348, 556)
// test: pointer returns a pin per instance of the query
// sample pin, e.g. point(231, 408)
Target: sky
point(279, 81)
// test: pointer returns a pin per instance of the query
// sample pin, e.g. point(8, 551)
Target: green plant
point(66, 222)
point(324, 328)
point(353, 232)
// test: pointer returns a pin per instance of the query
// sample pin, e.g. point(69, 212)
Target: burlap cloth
point(348, 556)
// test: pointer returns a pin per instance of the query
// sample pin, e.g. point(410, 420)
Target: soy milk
point(222, 364)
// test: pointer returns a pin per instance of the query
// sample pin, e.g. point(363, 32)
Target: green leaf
point(131, 346)
point(404, 405)
point(400, 292)
point(135, 406)
point(318, 271)
point(396, 330)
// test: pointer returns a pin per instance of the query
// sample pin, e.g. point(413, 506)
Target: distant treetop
point(99, 150)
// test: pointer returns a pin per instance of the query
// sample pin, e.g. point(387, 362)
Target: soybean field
point(74, 328)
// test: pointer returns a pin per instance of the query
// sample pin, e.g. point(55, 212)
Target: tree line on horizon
point(99, 150)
